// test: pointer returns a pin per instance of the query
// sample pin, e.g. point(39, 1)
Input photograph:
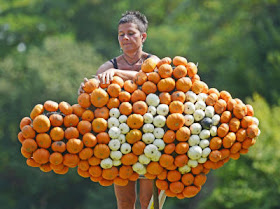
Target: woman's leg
point(146, 192)
point(126, 195)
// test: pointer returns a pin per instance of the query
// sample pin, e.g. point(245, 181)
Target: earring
point(121, 51)
point(143, 44)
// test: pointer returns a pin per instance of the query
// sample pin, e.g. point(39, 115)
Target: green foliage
point(236, 43)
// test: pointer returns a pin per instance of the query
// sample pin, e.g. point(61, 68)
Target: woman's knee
point(126, 196)
point(126, 204)
point(146, 191)
point(144, 201)
point(126, 201)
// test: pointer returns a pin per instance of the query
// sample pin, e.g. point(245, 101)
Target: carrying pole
point(159, 196)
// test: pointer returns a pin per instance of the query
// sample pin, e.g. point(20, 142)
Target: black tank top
point(115, 63)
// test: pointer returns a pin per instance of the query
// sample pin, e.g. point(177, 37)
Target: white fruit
point(195, 152)
point(194, 140)
point(202, 97)
point(116, 155)
point(200, 105)
point(256, 121)
point(204, 143)
point(191, 96)
point(116, 163)
point(106, 163)
point(114, 132)
point(152, 110)
point(122, 138)
point(122, 118)
point(156, 157)
point(185, 169)
point(158, 133)
point(144, 159)
point(213, 131)
point(159, 121)
point(163, 109)
point(114, 112)
point(216, 119)
point(195, 128)
point(138, 167)
point(204, 134)
point(124, 128)
point(113, 122)
point(189, 119)
point(192, 163)
point(259, 132)
point(205, 152)
point(148, 138)
point(198, 115)
point(152, 99)
point(202, 160)
point(148, 117)
point(159, 143)
point(151, 150)
point(209, 111)
point(189, 108)
point(142, 172)
point(125, 148)
point(148, 128)
point(114, 144)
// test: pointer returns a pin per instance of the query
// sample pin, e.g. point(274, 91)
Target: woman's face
point(130, 38)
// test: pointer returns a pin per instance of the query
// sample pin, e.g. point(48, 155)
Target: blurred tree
point(236, 44)
point(25, 23)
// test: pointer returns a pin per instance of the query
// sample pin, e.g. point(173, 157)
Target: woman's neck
point(132, 57)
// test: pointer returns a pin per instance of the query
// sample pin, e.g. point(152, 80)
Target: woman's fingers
point(99, 76)
point(103, 78)
point(82, 85)
point(111, 76)
point(80, 90)
point(108, 78)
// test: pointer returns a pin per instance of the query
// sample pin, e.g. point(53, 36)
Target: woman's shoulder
point(148, 55)
point(105, 66)
point(145, 56)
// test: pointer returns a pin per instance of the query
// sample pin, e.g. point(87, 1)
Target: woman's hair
point(137, 18)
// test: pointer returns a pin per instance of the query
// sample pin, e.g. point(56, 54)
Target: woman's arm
point(125, 74)
point(106, 72)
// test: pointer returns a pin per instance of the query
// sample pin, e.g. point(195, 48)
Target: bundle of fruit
point(51, 136)
point(165, 124)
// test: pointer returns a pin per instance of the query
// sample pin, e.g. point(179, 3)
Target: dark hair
point(137, 18)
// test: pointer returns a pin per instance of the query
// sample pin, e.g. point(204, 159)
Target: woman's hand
point(107, 76)
point(81, 90)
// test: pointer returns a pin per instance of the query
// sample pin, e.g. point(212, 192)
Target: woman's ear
point(144, 36)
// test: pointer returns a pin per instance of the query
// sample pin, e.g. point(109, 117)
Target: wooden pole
point(155, 195)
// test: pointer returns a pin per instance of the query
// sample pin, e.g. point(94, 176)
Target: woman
point(132, 34)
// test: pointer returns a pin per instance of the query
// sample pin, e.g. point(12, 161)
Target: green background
point(47, 47)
